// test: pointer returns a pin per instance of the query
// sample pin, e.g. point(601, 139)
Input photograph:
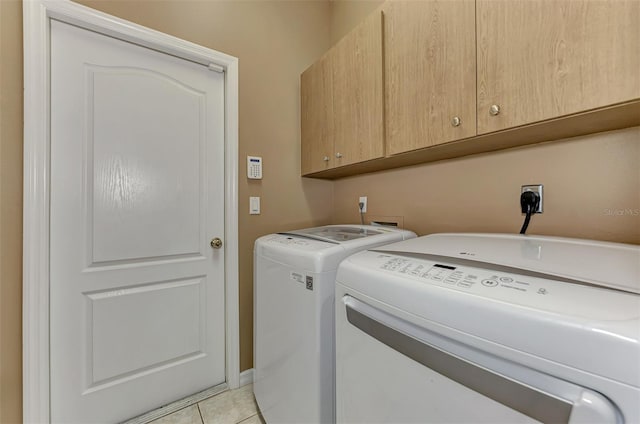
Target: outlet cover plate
point(363, 199)
point(536, 188)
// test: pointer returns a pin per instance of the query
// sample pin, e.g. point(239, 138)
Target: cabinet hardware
point(338, 155)
point(494, 110)
point(456, 121)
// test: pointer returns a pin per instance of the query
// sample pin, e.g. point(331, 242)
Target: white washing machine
point(472, 328)
point(294, 281)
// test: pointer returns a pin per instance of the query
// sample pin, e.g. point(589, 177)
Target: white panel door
point(137, 192)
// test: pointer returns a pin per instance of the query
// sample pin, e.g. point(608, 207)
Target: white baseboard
point(246, 377)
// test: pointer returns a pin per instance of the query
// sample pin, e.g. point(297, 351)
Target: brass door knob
point(456, 121)
point(216, 243)
point(494, 110)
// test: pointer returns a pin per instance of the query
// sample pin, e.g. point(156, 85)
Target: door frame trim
point(35, 304)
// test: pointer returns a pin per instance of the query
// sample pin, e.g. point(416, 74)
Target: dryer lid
point(611, 265)
point(336, 233)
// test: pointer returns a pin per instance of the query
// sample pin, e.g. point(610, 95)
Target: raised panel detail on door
point(316, 123)
point(357, 94)
point(165, 321)
point(540, 59)
point(135, 201)
point(430, 74)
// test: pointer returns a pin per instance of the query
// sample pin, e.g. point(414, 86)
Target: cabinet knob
point(494, 110)
point(338, 155)
point(326, 158)
point(456, 121)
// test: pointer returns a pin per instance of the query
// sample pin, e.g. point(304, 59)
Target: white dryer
point(473, 328)
point(294, 281)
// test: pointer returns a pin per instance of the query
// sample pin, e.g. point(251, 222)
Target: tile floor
point(230, 407)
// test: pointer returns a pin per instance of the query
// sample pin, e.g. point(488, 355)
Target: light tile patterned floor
point(230, 407)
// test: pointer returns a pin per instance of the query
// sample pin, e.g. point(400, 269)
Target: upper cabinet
point(541, 59)
point(342, 102)
point(430, 73)
point(460, 77)
point(316, 122)
point(357, 94)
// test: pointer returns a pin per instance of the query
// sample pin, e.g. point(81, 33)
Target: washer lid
point(611, 265)
point(336, 233)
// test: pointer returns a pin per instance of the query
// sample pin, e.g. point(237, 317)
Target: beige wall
point(10, 211)
point(584, 179)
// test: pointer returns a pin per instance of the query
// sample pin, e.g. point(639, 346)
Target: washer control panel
point(509, 287)
point(461, 277)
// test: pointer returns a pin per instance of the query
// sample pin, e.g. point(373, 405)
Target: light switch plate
point(254, 206)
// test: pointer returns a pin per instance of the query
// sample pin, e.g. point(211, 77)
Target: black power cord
point(361, 205)
point(529, 202)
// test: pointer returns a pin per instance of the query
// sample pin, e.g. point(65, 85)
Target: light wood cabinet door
point(358, 94)
point(430, 72)
point(540, 59)
point(316, 121)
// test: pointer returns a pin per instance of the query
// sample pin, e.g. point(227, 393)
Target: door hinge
point(215, 68)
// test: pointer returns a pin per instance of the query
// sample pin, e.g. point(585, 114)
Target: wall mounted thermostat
point(254, 167)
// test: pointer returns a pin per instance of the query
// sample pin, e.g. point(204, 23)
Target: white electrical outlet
point(363, 199)
point(536, 188)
